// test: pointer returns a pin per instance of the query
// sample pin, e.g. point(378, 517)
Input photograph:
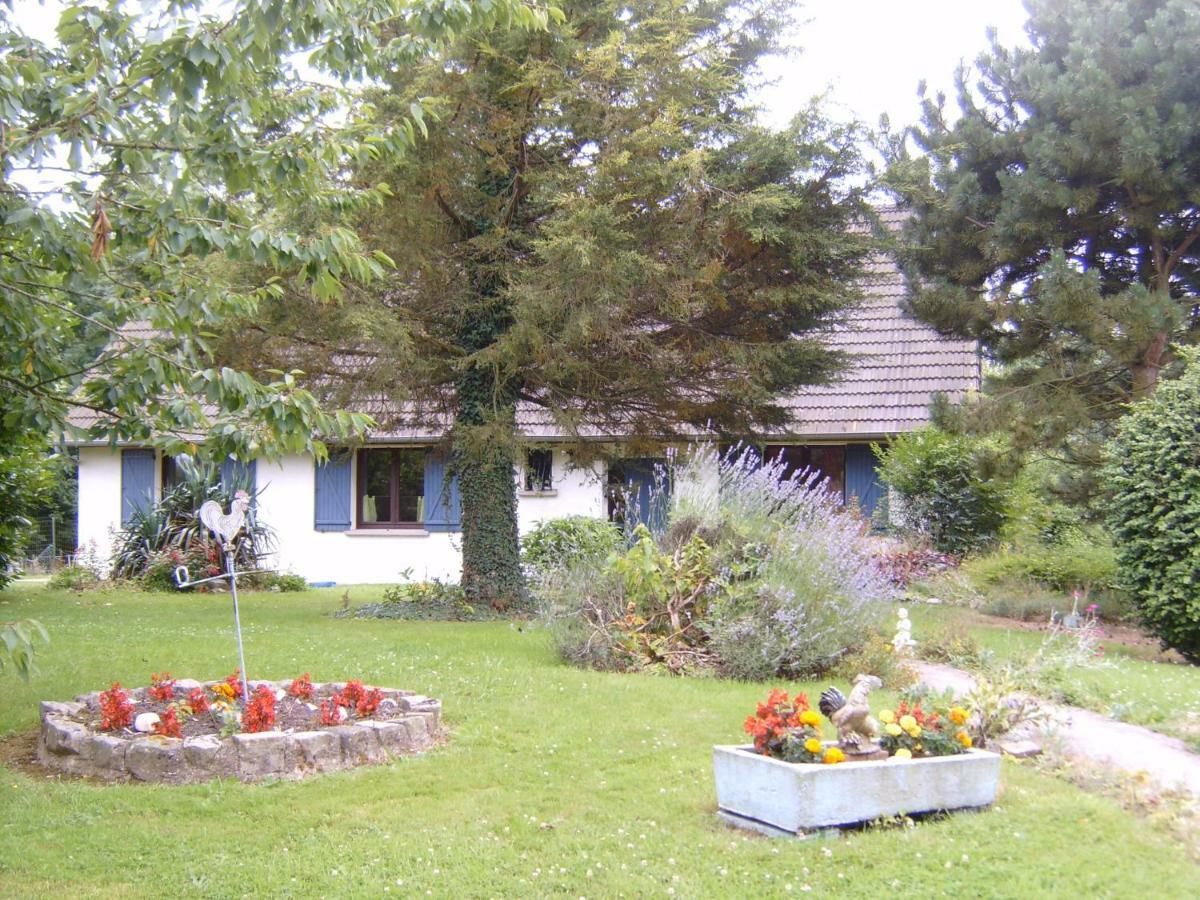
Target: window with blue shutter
point(862, 477)
point(137, 482)
point(443, 510)
point(332, 499)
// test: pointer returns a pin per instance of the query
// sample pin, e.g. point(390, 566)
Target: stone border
point(67, 744)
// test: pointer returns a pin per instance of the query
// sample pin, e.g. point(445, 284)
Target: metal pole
point(237, 624)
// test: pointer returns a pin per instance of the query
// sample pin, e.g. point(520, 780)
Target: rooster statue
point(225, 527)
point(856, 727)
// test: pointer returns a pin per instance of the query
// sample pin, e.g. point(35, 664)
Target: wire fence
point(52, 544)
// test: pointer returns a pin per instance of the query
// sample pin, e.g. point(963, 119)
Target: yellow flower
point(963, 738)
point(810, 717)
point(833, 755)
point(887, 717)
point(958, 715)
point(908, 723)
point(893, 729)
point(812, 745)
point(903, 753)
point(915, 731)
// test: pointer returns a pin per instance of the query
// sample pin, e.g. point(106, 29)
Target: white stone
point(145, 722)
point(795, 797)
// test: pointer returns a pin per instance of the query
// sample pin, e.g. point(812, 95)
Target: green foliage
point(1063, 568)
point(27, 478)
point(19, 645)
point(876, 657)
point(1054, 216)
point(559, 542)
point(168, 534)
point(286, 582)
point(1154, 509)
point(73, 577)
point(755, 577)
point(596, 225)
point(952, 644)
point(943, 496)
point(176, 127)
point(435, 600)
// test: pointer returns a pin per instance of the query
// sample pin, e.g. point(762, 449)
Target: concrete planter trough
point(789, 799)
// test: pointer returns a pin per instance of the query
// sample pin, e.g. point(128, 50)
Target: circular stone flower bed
point(73, 739)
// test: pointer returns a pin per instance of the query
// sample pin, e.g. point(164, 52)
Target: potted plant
point(905, 761)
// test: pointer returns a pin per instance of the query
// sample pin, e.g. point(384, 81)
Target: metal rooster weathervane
point(226, 529)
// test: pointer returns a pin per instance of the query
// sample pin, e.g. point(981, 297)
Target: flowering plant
point(168, 724)
point(197, 701)
point(301, 688)
point(162, 687)
point(115, 709)
point(260, 711)
point(234, 680)
point(909, 731)
point(788, 730)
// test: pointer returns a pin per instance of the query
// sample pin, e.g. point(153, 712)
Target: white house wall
point(285, 503)
point(99, 499)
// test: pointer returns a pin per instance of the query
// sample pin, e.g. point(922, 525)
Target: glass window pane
point(831, 462)
point(411, 484)
point(376, 474)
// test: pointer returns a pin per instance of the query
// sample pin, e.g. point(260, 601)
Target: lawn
point(554, 781)
point(1160, 695)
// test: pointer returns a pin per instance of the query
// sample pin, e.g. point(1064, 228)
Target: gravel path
point(1089, 735)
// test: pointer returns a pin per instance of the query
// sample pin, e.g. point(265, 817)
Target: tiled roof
point(899, 365)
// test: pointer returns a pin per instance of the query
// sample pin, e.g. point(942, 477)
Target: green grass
point(553, 782)
point(1163, 696)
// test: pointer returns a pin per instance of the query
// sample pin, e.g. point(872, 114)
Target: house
point(382, 510)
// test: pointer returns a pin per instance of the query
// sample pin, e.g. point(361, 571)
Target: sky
point(871, 54)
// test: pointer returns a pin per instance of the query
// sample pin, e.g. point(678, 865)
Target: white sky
point(871, 54)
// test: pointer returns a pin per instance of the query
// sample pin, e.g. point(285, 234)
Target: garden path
point(1088, 735)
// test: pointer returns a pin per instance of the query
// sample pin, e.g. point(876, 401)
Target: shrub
point(171, 524)
point(1063, 567)
point(1154, 508)
point(433, 600)
point(286, 582)
point(755, 575)
point(953, 645)
point(877, 657)
point(942, 496)
point(73, 578)
point(559, 542)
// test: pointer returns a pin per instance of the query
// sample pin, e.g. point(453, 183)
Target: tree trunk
point(1145, 371)
point(485, 441)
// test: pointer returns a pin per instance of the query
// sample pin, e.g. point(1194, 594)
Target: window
point(539, 470)
point(391, 488)
point(830, 461)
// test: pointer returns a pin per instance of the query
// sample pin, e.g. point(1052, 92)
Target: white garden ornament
point(226, 528)
point(903, 642)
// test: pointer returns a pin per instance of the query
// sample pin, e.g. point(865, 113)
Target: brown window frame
point(360, 484)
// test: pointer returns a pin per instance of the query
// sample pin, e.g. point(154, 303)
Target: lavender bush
point(787, 588)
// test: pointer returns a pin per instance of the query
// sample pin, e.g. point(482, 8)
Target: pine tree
point(595, 227)
point(1057, 218)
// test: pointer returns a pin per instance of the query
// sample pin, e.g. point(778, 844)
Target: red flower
point(197, 701)
point(259, 714)
point(115, 709)
point(168, 725)
point(369, 702)
point(331, 711)
point(301, 688)
point(162, 687)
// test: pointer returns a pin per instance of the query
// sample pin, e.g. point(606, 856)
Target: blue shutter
point(332, 504)
point(137, 482)
point(862, 478)
point(237, 474)
point(442, 505)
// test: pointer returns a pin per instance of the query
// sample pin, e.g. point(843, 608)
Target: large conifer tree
point(1057, 218)
point(595, 227)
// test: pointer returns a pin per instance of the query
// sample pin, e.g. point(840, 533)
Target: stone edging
point(67, 744)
